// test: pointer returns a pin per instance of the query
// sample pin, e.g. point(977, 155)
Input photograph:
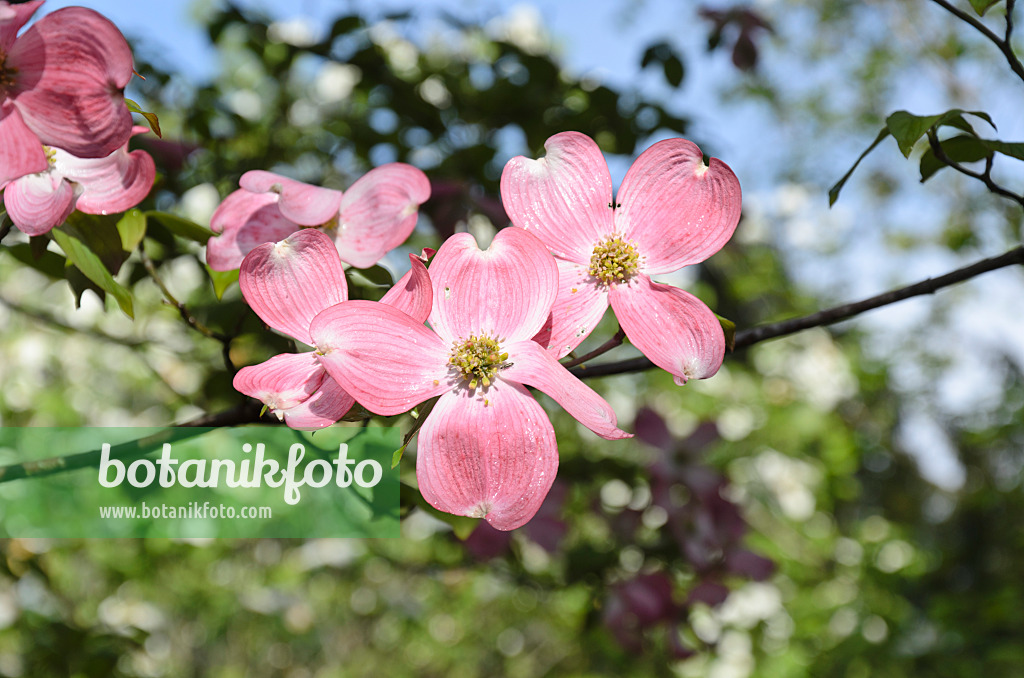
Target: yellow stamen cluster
point(6, 74)
point(478, 359)
point(614, 260)
point(51, 155)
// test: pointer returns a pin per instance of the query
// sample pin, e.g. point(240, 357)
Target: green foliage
point(907, 129)
point(671, 62)
point(181, 226)
point(982, 6)
point(93, 245)
point(154, 122)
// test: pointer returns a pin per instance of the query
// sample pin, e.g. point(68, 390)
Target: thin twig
point(189, 319)
point(245, 413)
point(984, 177)
point(831, 315)
point(1009, 20)
point(1003, 45)
point(616, 340)
point(44, 318)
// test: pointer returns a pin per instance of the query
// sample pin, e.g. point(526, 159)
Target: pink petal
point(21, 152)
point(39, 202)
point(12, 18)
point(388, 361)
point(302, 203)
point(244, 220)
point(563, 198)
point(283, 382)
point(412, 293)
point(112, 184)
point(379, 212)
point(329, 404)
point(533, 366)
point(491, 456)
point(578, 309)
point(505, 291)
point(288, 283)
point(673, 328)
point(677, 210)
point(72, 68)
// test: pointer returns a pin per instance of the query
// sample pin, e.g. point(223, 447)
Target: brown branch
point(832, 315)
point(44, 318)
point(984, 177)
point(1003, 45)
point(250, 412)
point(189, 319)
point(616, 340)
point(245, 413)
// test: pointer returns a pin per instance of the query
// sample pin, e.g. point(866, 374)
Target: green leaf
point(39, 244)
point(375, 276)
point(1012, 149)
point(99, 233)
point(154, 122)
point(982, 6)
point(729, 327)
point(182, 226)
point(907, 128)
point(132, 228)
point(87, 261)
point(833, 193)
point(48, 263)
point(959, 149)
point(222, 280)
point(673, 67)
point(397, 456)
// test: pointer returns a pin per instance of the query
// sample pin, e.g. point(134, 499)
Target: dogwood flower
point(487, 448)
point(41, 201)
point(61, 84)
point(371, 218)
point(287, 284)
point(671, 211)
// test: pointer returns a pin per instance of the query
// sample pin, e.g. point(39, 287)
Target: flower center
point(477, 359)
point(614, 260)
point(51, 155)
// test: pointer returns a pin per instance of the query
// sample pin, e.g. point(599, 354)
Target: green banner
point(251, 481)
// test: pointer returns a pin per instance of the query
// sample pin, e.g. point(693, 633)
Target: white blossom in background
point(523, 26)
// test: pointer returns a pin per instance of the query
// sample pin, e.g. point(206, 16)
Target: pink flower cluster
point(478, 328)
point(64, 125)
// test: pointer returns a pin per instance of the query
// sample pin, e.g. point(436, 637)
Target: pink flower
point(371, 218)
point(61, 84)
point(287, 284)
point(39, 202)
point(672, 210)
point(486, 449)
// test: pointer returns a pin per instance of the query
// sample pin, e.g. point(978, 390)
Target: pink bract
point(487, 448)
point(61, 84)
point(671, 211)
point(287, 284)
point(375, 215)
point(39, 202)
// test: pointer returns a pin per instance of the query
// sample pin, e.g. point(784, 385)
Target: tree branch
point(832, 315)
point(984, 177)
point(616, 340)
point(249, 411)
point(245, 413)
point(1003, 45)
point(189, 319)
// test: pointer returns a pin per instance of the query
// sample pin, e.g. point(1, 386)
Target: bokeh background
point(842, 502)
